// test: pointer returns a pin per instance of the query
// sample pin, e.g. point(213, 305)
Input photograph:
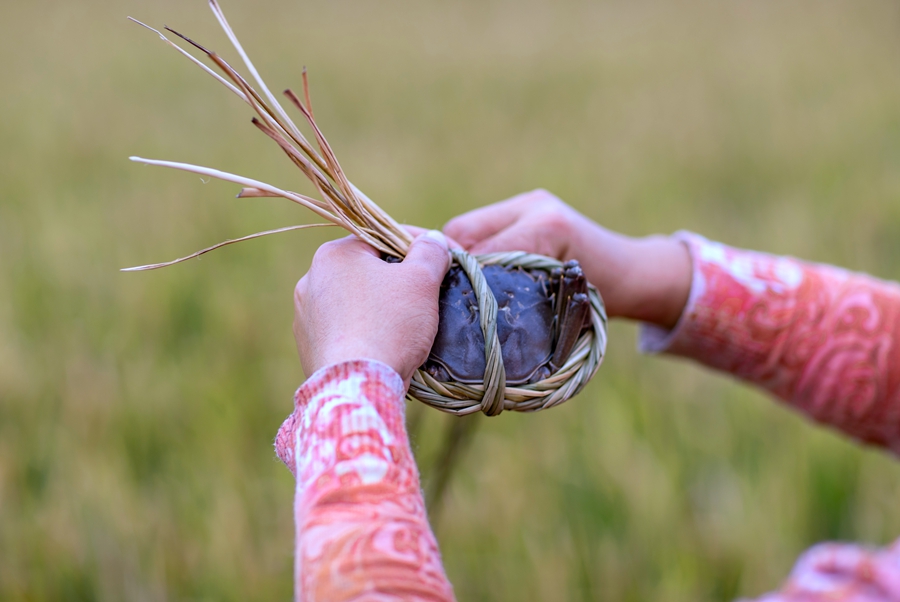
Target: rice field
point(137, 411)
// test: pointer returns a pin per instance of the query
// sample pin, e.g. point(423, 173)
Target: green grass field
point(137, 411)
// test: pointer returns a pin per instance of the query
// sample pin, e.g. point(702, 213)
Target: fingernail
point(437, 236)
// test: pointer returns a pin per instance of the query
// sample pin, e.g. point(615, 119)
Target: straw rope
point(493, 396)
point(343, 204)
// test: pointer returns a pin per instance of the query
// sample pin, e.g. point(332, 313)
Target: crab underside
point(539, 319)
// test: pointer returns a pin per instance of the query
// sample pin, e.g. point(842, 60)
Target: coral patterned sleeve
point(361, 528)
point(822, 339)
point(825, 340)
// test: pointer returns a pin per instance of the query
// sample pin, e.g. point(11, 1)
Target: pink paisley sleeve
point(361, 527)
point(823, 339)
point(826, 341)
point(835, 572)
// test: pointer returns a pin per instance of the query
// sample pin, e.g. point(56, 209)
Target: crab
point(540, 317)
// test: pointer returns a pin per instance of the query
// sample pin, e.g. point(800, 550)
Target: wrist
point(660, 280)
point(333, 357)
point(610, 261)
point(361, 380)
point(336, 372)
point(645, 279)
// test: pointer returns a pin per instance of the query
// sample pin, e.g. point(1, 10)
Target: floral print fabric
point(833, 572)
point(361, 527)
point(824, 340)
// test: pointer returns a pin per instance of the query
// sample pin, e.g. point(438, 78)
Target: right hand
point(646, 279)
point(352, 305)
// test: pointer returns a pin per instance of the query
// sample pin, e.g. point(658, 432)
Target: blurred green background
point(137, 411)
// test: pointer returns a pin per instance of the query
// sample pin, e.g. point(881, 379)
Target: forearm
point(361, 527)
point(825, 340)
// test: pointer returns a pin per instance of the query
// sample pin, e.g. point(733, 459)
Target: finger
point(474, 226)
point(351, 245)
point(515, 239)
point(430, 251)
point(301, 288)
point(340, 252)
point(355, 245)
point(523, 237)
point(417, 231)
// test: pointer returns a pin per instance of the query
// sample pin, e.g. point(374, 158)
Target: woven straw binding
point(493, 396)
point(342, 204)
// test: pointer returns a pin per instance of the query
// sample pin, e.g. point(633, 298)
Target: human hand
point(352, 305)
point(646, 279)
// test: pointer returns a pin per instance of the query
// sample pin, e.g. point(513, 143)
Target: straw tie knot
point(494, 371)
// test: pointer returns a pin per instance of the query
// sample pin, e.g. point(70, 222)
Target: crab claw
point(437, 372)
point(571, 325)
point(555, 277)
point(540, 374)
point(571, 282)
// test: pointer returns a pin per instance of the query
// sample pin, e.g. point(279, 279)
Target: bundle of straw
point(343, 204)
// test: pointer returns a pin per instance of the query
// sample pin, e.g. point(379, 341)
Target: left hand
point(646, 279)
point(352, 305)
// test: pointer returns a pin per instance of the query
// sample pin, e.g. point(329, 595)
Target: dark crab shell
point(524, 325)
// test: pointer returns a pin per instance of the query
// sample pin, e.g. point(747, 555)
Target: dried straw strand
point(154, 266)
point(191, 57)
point(343, 204)
point(220, 16)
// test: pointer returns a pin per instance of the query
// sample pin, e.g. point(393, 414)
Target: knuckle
point(454, 223)
point(554, 218)
point(328, 254)
point(428, 253)
point(435, 252)
point(458, 227)
point(300, 290)
point(544, 198)
point(320, 258)
point(422, 274)
point(328, 249)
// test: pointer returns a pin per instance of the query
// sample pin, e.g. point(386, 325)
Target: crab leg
point(572, 310)
point(577, 309)
point(569, 284)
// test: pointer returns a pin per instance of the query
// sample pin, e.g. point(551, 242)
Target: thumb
point(430, 251)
